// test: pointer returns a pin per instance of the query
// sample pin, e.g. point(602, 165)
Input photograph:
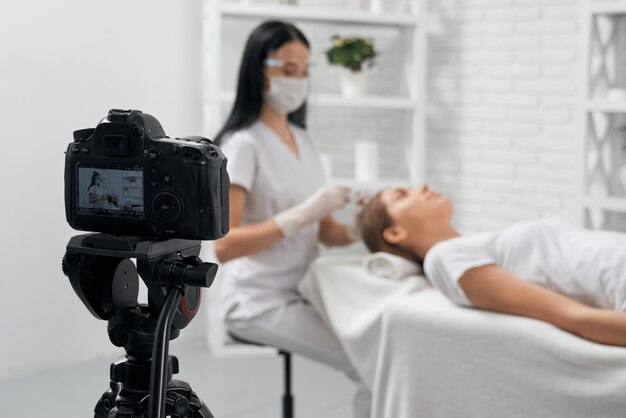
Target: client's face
point(416, 208)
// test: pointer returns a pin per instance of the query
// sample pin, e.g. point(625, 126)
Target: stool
point(288, 399)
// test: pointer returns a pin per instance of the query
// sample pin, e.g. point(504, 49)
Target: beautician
point(279, 207)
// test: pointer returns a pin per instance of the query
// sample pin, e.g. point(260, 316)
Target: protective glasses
point(289, 68)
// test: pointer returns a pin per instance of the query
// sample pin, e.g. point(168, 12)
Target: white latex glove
point(322, 202)
point(353, 231)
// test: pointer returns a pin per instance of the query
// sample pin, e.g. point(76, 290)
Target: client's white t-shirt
point(589, 266)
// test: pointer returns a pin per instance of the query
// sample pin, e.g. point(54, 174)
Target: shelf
point(606, 106)
point(372, 102)
point(365, 102)
point(616, 204)
point(370, 185)
point(608, 8)
point(316, 14)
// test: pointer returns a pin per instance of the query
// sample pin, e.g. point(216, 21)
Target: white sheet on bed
point(425, 357)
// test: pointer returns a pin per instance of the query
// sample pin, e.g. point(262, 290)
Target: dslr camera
point(126, 177)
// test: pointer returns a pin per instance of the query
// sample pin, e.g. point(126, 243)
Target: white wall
point(503, 87)
point(63, 64)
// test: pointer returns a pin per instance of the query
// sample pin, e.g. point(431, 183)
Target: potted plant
point(353, 54)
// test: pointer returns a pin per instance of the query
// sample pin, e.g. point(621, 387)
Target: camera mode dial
point(167, 206)
point(136, 131)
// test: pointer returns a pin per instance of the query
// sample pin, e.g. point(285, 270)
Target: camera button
point(154, 170)
point(154, 183)
point(167, 179)
point(153, 155)
point(85, 150)
point(75, 148)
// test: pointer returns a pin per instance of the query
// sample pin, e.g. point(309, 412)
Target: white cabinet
point(603, 108)
point(392, 112)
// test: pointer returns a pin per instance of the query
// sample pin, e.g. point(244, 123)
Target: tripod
point(107, 281)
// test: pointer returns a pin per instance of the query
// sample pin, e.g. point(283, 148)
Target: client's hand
point(313, 209)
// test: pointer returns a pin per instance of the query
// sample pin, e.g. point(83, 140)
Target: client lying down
point(572, 278)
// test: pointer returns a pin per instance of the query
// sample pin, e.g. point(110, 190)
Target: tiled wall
point(503, 93)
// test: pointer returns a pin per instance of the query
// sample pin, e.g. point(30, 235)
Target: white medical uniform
point(589, 266)
point(98, 192)
point(259, 298)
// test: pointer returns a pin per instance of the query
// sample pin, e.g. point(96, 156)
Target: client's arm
point(492, 288)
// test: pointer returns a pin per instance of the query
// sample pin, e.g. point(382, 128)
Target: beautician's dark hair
point(265, 39)
point(93, 179)
point(372, 220)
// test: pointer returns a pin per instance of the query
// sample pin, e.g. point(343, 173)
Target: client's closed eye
point(398, 193)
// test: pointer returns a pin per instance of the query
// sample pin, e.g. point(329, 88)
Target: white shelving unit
point(218, 97)
point(227, 25)
point(365, 102)
point(302, 13)
point(615, 7)
point(603, 144)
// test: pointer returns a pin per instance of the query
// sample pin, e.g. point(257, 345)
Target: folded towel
point(390, 266)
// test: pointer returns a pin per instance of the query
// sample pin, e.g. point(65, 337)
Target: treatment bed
point(423, 356)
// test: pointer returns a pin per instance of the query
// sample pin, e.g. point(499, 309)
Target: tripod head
point(107, 282)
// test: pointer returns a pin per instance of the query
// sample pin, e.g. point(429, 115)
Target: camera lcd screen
point(111, 190)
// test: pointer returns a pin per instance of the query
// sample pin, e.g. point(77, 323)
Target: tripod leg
point(203, 412)
point(106, 402)
point(182, 401)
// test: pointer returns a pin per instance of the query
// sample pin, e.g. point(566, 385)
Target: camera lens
point(167, 206)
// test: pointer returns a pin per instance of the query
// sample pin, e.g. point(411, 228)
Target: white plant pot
point(353, 84)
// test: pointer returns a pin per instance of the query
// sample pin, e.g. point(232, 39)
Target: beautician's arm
point(332, 233)
point(494, 289)
point(93, 198)
point(248, 239)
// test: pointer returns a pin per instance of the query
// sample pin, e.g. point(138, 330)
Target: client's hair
point(372, 221)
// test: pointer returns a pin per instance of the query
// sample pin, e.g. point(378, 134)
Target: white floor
point(232, 387)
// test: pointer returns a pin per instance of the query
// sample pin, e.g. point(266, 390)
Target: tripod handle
point(190, 271)
point(202, 275)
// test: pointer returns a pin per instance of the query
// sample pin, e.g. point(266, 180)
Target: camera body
point(126, 177)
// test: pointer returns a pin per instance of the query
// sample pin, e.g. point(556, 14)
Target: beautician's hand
point(353, 231)
point(313, 209)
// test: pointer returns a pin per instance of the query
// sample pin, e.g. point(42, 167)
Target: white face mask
point(286, 94)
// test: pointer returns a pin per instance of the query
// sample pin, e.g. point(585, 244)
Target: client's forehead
point(385, 196)
point(389, 195)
